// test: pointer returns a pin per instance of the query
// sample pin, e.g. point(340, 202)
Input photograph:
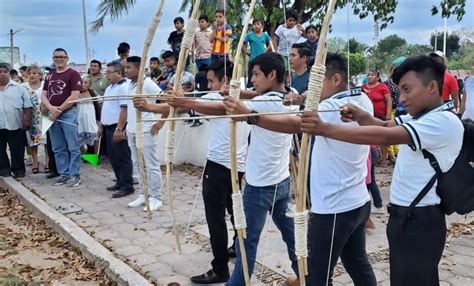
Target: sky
point(48, 24)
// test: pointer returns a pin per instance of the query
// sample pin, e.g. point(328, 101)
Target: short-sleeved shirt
point(300, 82)
point(377, 96)
point(450, 85)
point(258, 44)
point(440, 133)
point(149, 87)
point(186, 78)
point(99, 84)
point(394, 92)
point(339, 169)
point(313, 46)
point(175, 40)
point(218, 147)
point(202, 44)
point(61, 85)
point(286, 38)
point(13, 98)
point(218, 47)
point(111, 108)
point(268, 155)
point(469, 94)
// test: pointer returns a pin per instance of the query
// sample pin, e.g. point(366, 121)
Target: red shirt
point(377, 96)
point(60, 85)
point(450, 85)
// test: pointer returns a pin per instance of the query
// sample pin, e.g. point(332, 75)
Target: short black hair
point(5, 66)
point(178, 19)
point(117, 67)
point(123, 48)
point(219, 11)
point(204, 17)
point(268, 62)
point(303, 49)
point(260, 20)
point(336, 63)
point(96, 62)
point(135, 60)
point(292, 14)
point(13, 72)
point(154, 59)
point(426, 69)
point(60, 50)
point(221, 68)
point(167, 54)
point(311, 27)
point(23, 68)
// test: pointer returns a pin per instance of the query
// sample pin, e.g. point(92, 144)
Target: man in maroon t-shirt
point(61, 86)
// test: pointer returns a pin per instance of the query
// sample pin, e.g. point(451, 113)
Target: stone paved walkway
point(149, 245)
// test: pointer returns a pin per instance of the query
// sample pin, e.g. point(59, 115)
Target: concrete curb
point(93, 250)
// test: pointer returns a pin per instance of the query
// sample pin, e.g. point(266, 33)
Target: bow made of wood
point(186, 44)
point(312, 103)
point(138, 114)
point(237, 203)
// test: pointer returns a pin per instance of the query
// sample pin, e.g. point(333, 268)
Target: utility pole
point(12, 47)
point(436, 40)
point(86, 42)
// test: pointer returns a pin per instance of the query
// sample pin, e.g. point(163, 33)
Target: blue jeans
point(201, 62)
point(64, 138)
point(258, 201)
point(373, 188)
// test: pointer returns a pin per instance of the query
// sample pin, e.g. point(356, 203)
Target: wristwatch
point(253, 120)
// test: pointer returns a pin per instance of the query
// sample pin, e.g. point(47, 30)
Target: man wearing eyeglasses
point(60, 87)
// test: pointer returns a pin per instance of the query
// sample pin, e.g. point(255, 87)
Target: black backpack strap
point(421, 195)
point(427, 188)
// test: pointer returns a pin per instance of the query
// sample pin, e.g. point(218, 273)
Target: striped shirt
point(218, 47)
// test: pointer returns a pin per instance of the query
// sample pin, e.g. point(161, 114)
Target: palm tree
point(111, 8)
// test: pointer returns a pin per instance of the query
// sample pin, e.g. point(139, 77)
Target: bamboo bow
point(169, 151)
point(237, 205)
point(312, 103)
point(139, 123)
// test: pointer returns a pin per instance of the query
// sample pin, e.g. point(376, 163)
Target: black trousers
point(216, 192)
point(120, 159)
point(416, 244)
point(16, 140)
point(52, 160)
point(349, 244)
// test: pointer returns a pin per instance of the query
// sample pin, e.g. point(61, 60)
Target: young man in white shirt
point(267, 173)
point(112, 125)
point(217, 183)
point(337, 183)
point(416, 235)
point(150, 140)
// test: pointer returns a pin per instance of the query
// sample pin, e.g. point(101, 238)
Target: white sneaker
point(140, 201)
point(155, 204)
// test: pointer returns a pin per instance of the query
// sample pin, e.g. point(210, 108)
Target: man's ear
point(337, 79)
point(272, 75)
point(433, 87)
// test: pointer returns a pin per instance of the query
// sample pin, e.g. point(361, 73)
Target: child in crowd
point(202, 43)
point(259, 42)
point(169, 61)
point(220, 37)
point(312, 38)
point(286, 35)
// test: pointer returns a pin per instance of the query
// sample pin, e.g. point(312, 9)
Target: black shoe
point(21, 175)
point(210, 278)
point(231, 252)
point(5, 174)
point(196, 124)
point(113, 188)
point(51, 175)
point(122, 193)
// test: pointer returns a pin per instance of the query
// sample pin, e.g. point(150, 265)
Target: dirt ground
point(32, 253)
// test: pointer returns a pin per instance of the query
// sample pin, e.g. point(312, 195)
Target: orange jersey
point(218, 47)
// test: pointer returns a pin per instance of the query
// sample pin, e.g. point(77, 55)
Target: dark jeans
point(249, 75)
point(120, 159)
point(216, 192)
point(52, 160)
point(416, 244)
point(215, 57)
point(16, 140)
point(373, 188)
point(349, 244)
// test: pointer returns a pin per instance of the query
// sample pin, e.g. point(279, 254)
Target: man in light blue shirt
point(15, 118)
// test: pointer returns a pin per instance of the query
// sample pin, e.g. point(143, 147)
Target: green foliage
point(390, 44)
point(357, 64)
point(110, 8)
point(452, 42)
